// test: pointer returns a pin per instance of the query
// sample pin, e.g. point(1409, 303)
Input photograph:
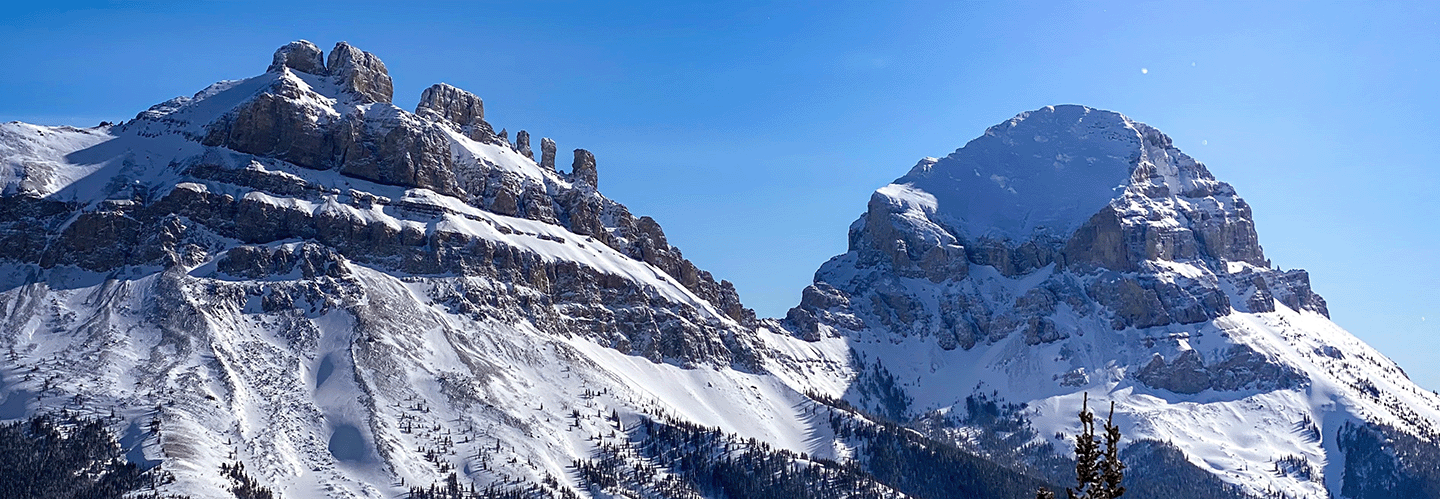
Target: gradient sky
point(755, 132)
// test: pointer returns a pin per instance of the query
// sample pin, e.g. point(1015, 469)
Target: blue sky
point(755, 132)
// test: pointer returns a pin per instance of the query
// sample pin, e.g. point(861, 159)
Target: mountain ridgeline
point(286, 286)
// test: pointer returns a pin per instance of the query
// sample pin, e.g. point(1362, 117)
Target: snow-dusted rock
point(299, 55)
point(360, 73)
point(460, 107)
point(583, 168)
point(522, 144)
point(547, 153)
point(282, 122)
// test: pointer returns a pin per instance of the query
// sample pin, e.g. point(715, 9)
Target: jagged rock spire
point(522, 144)
point(547, 153)
point(583, 168)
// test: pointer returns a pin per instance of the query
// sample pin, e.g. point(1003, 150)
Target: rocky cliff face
point(1072, 249)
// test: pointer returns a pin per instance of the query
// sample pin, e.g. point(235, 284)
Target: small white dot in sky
point(1144, 71)
point(1204, 142)
point(1192, 64)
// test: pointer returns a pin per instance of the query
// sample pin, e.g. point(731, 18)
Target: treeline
point(244, 486)
point(452, 489)
point(1005, 437)
point(919, 466)
point(675, 459)
point(1382, 462)
point(1159, 469)
point(64, 456)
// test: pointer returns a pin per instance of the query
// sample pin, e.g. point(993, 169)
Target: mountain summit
point(1046, 172)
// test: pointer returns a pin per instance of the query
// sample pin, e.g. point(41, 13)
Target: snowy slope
point(1039, 172)
point(272, 389)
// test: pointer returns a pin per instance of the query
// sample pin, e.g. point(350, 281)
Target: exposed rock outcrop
point(547, 153)
point(360, 73)
point(522, 144)
point(445, 101)
point(404, 151)
point(376, 145)
point(278, 123)
point(1101, 243)
point(1186, 374)
point(1240, 368)
point(583, 168)
point(299, 55)
point(821, 306)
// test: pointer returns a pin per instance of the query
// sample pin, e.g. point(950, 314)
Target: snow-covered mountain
point(350, 299)
point(1072, 250)
point(288, 271)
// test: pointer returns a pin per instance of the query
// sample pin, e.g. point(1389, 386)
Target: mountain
point(1073, 251)
point(285, 283)
point(291, 273)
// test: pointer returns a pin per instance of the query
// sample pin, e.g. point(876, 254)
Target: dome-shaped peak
point(1044, 172)
point(299, 55)
point(1062, 121)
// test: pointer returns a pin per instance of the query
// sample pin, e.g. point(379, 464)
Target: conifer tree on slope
point(1097, 475)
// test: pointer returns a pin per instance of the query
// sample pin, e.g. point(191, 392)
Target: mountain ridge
point(288, 271)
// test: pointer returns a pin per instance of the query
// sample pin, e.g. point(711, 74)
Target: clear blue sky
point(755, 132)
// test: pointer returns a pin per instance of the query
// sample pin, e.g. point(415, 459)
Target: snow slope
point(1045, 171)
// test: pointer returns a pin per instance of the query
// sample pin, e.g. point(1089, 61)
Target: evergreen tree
point(1097, 474)
point(1112, 471)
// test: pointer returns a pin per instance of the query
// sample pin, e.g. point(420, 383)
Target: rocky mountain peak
point(360, 73)
point(445, 101)
point(1069, 185)
point(299, 55)
point(1042, 172)
point(1113, 216)
point(1071, 250)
